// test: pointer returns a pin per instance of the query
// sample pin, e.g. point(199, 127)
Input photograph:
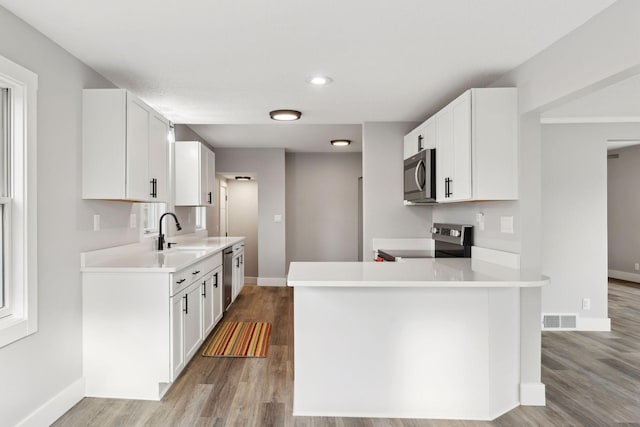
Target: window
point(18, 210)
point(201, 218)
point(150, 215)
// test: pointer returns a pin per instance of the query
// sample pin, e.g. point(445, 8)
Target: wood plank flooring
point(592, 379)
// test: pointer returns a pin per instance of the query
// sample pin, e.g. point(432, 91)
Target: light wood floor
point(592, 379)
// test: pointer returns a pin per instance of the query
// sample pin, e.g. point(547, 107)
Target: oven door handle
point(419, 166)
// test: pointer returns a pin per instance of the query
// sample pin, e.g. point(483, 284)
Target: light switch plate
point(480, 221)
point(277, 218)
point(96, 222)
point(506, 224)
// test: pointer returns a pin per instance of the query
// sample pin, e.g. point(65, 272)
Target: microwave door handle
point(419, 166)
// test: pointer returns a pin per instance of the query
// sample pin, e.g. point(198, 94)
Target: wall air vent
point(559, 321)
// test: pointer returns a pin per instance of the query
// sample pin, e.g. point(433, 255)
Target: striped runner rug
point(239, 339)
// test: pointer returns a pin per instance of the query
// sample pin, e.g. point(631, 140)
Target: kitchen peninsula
point(430, 338)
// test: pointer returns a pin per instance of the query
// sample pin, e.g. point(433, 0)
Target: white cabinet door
point(460, 185)
point(177, 335)
point(124, 148)
point(235, 279)
point(453, 151)
point(413, 142)
point(218, 297)
point(138, 182)
point(241, 271)
point(210, 177)
point(192, 320)
point(194, 164)
point(421, 138)
point(444, 153)
point(208, 304)
point(158, 158)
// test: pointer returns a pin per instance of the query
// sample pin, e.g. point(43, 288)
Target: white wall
point(322, 206)
point(243, 220)
point(268, 164)
point(624, 211)
point(574, 217)
point(385, 216)
point(35, 369)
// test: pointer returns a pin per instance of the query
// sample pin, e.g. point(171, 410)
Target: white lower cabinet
point(211, 300)
point(140, 329)
point(237, 278)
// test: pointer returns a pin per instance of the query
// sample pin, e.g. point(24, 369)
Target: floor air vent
point(559, 321)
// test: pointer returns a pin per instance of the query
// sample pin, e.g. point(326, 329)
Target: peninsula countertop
point(143, 258)
point(432, 272)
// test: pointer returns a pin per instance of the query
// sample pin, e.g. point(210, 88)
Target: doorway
point(577, 219)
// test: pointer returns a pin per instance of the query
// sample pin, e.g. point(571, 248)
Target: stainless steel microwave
point(420, 177)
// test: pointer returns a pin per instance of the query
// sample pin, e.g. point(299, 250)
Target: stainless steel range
point(451, 241)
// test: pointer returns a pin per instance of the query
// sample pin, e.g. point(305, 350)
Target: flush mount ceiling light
point(340, 142)
point(319, 80)
point(285, 115)
point(243, 178)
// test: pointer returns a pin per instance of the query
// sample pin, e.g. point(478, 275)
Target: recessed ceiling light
point(319, 80)
point(340, 142)
point(285, 115)
point(243, 178)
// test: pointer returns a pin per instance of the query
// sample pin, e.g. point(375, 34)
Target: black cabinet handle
point(153, 186)
point(238, 262)
point(241, 259)
point(215, 285)
point(204, 289)
point(420, 138)
point(209, 197)
point(186, 303)
point(196, 272)
point(180, 281)
point(447, 187)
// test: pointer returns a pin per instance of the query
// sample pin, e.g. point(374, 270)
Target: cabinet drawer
point(180, 280)
point(237, 248)
point(183, 278)
point(212, 262)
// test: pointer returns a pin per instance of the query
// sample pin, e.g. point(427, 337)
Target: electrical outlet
point(586, 303)
point(637, 266)
point(133, 221)
point(96, 222)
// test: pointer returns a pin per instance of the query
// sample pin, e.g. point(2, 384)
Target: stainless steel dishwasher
point(227, 275)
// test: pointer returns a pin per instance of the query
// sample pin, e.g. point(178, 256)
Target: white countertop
point(141, 258)
point(435, 272)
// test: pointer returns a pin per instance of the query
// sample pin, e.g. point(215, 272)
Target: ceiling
point(229, 62)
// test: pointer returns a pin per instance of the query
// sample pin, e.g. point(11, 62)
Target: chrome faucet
point(160, 235)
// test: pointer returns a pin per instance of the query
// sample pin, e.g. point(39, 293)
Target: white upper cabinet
point(124, 148)
point(422, 137)
point(195, 174)
point(477, 147)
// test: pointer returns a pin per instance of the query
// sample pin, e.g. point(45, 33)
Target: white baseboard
point(272, 281)
point(250, 280)
point(594, 324)
point(624, 275)
point(532, 394)
point(55, 407)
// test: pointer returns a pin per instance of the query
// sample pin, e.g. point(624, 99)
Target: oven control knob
point(434, 230)
point(454, 233)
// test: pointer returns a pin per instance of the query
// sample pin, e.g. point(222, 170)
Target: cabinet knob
point(181, 281)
